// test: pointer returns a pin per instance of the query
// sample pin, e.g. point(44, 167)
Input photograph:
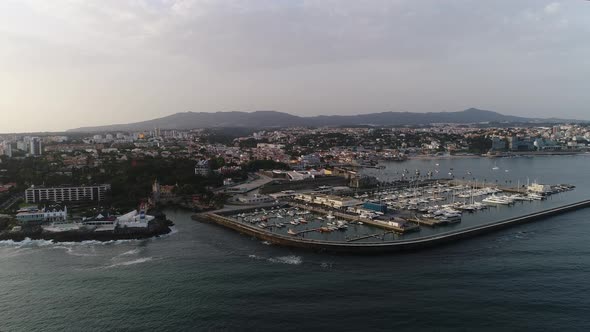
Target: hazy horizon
point(68, 63)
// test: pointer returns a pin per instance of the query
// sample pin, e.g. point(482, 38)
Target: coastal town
point(331, 165)
point(77, 181)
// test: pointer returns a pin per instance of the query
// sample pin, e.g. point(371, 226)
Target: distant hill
point(267, 119)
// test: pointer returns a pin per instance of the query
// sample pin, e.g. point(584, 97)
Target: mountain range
point(269, 119)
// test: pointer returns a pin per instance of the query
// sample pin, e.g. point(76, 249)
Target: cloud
point(552, 8)
point(142, 58)
point(237, 35)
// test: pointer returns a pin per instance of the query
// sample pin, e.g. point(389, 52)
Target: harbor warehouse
point(66, 194)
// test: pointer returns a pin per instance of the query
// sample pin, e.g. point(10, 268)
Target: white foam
point(326, 265)
point(173, 231)
point(291, 260)
point(13, 252)
point(130, 252)
point(27, 242)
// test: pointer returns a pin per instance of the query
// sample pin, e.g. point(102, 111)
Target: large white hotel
point(67, 194)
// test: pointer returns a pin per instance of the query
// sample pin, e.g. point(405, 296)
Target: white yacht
point(502, 200)
point(535, 197)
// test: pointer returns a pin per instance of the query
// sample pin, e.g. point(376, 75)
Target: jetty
point(386, 246)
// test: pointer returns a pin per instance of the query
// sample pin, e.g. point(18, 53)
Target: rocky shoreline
point(157, 227)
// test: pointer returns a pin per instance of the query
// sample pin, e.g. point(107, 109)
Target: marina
point(387, 246)
point(416, 215)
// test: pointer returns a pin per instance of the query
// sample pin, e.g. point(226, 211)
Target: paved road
point(252, 185)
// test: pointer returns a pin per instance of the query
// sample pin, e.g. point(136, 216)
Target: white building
point(329, 200)
point(135, 219)
point(36, 147)
point(7, 149)
point(34, 214)
point(202, 168)
point(22, 146)
point(67, 194)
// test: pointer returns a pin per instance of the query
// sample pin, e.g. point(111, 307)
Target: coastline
point(501, 155)
point(425, 157)
point(156, 228)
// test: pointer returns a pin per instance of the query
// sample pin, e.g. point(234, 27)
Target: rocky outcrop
point(156, 228)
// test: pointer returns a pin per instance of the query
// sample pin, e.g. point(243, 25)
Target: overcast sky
point(71, 63)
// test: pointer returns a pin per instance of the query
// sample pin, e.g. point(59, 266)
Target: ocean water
point(204, 277)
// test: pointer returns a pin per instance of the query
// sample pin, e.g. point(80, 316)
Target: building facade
point(36, 148)
point(7, 149)
point(67, 194)
point(44, 215)
point(202, 168)
point(516, 143)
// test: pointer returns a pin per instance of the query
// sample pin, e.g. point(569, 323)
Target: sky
point(71, 63)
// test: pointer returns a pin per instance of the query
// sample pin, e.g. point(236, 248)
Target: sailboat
point(495, 168)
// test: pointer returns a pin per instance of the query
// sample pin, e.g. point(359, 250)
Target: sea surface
point(204, 277)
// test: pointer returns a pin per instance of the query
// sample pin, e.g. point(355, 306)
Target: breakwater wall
point(392, 246)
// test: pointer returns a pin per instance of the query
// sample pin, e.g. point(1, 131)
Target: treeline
point(132, 181)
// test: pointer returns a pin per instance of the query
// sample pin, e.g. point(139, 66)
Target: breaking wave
point(130, 252)
point(128, 263)
point(291, 260)
point(27, 242)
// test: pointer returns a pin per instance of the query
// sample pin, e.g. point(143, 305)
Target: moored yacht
point(502, 200)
